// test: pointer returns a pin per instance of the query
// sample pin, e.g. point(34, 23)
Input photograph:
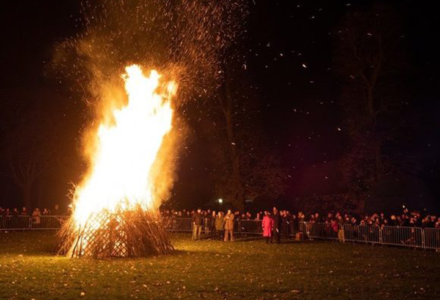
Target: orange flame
point(121, 175)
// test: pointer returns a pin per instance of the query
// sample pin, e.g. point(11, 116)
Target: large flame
point(125, 150)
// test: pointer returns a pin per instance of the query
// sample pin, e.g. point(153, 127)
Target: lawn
point(245, 269)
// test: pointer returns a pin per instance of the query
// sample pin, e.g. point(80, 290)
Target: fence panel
point(321, 231)
point(249, 226)
point(402, 236)
point(431, 238)
point(303, 228)
point(350, 233)
point(179, 224)
point(14, 223)
point(368, 234)
point(47, 222)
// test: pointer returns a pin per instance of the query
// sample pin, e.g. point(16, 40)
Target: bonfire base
point(106, 234)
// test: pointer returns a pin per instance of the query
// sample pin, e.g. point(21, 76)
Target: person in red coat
point(267, 226)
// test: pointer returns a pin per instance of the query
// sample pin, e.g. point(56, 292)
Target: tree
point(244, 167)
point(370, 58)
point(30, 140)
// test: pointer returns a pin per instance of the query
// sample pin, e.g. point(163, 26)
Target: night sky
point(288, 49)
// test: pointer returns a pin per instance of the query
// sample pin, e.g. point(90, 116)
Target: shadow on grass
point(243, 238)
point(236, 239)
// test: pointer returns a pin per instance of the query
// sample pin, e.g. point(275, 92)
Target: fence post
point(423, 238)
point(380, 235)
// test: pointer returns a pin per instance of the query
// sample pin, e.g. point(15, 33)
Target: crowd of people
point(8, 214)
point(406, 218)
point(273, 223)
point(276, 222)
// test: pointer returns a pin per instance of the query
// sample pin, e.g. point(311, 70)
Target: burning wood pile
point(122, 234)
point(115, 207)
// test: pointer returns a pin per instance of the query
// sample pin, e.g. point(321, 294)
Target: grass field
point(245, 269)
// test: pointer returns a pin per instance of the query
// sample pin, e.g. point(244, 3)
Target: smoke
point(184, 40)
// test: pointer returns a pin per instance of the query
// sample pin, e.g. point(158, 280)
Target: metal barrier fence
point(240, 226)
point(16, 223)
point(415, 237)
point(427, 238)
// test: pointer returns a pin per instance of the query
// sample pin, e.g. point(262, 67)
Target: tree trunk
point(232, 147)
point(27, 198)
point(235, 163)
point(376, 143)
point(377, 159)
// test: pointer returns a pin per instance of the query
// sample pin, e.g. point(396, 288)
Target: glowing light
point(125, 149)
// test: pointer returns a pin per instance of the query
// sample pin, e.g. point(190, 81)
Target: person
point(5, 217)
point(334, 227)
point(258, 218)
point(229, 226)
point(69, 209)
point(24, 211)
point(276, 229)
point(212, 223)
point(56, 210)
point(285, 223)
point(267, 225)
point(197, 224)
point(237, 219)
point(219, 225)
point(36, 216)
point(208, 221)
point(15, 220)
point(291, 218)
point(341, 233)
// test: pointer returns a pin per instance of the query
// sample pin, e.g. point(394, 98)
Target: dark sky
point(288, 52)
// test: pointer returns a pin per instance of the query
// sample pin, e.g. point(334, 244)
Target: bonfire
point(115, 207)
